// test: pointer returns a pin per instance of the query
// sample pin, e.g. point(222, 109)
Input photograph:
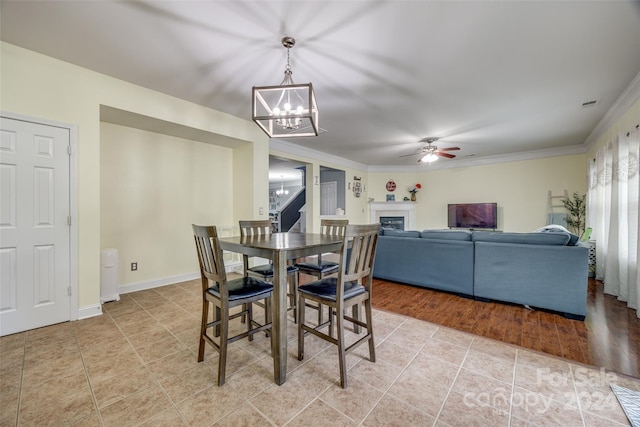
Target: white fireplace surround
point(403, 209)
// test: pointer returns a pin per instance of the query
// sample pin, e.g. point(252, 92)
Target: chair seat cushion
point(244, 287)
point(266, 270)
point(326, 289)
point(324, 267)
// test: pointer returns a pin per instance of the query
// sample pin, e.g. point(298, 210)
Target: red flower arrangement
point(413, 190)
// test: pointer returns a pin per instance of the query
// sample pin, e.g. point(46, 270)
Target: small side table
point(592, 258)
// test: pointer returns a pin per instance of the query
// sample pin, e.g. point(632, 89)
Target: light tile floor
point(136, 365)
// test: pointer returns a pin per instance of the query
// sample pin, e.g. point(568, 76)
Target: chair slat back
point(255, 228)
point(333, 227)
point(209, 256)
point(364, 241)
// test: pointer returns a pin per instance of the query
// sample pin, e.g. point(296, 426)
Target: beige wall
point(519, 188)
point(38, 86)
point(152, 188)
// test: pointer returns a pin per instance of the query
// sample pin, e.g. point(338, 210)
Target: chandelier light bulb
point(276, 111)
point(287, 107)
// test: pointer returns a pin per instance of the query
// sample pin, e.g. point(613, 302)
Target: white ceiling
point(491, 77)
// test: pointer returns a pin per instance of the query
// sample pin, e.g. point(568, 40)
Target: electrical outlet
point(134, 266)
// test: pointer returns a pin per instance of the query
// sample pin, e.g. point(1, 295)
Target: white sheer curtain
point(613, 196)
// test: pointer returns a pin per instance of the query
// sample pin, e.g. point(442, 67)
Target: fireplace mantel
point(403, 209)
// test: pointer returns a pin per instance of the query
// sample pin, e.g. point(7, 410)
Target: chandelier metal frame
point(287, 110)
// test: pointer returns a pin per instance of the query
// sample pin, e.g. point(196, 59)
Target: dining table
point(280, 248)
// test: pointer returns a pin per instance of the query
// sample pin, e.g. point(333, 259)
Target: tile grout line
point(155, 380)
point(404, 369)
point(86, 374)
point(24, 356)
point(444, 402)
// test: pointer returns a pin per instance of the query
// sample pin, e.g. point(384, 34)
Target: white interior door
point(328, 197)
point(34, 231)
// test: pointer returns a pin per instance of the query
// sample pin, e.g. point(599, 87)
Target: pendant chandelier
point(287, 110)
point(282, 191)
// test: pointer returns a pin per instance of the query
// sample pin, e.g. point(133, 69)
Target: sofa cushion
point(464, 235)
point(554, 228)
point(557, 239)
point(401, 233)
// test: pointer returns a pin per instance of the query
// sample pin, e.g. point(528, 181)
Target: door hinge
point(68, 149)
point(69, 220)
point(69, 290)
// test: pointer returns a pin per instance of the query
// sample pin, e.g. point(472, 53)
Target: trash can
point(109, 275)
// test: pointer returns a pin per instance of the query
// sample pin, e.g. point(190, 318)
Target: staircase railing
point(290, 212)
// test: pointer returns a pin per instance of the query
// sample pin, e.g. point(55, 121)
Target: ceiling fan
point(429, 153)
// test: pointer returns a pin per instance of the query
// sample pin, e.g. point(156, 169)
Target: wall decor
point(391, 197)
point(413, 190)
point(357, 186)
point(391, 185)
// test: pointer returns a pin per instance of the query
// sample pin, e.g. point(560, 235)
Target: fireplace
point(403, 210)
point(395, 222)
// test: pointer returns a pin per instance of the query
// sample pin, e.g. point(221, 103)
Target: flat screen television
point(473, 215)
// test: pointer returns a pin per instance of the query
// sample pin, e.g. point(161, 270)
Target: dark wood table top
point(295, 244)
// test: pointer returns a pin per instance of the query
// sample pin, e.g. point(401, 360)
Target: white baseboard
point(89, 311)
point(109, 298)
point(150, 284)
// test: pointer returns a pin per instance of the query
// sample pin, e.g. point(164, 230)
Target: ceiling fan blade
point(409, 155)
point(447, 155)
point(449, 148)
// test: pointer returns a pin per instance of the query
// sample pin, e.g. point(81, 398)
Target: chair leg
point(320, 316)
point(217, 327)
point(224, 341)
point(301, 315)
point(203, 329)
point(267, 316)
point(293, 295)
point(249, 308)
point(342, 357)
point(369, 316)
point(331, 320)
point(355, 313)
point(320, 313)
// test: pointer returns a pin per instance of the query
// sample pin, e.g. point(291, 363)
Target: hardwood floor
point(609, 337)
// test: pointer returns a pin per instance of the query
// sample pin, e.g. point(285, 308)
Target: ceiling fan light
point(429, 158)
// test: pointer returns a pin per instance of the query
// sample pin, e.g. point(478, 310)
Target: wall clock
point(391, 185)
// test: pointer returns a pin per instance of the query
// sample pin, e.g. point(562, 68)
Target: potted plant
point(576, 212)
point(413, 190)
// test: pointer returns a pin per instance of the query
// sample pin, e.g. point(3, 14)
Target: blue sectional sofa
point(546, 269)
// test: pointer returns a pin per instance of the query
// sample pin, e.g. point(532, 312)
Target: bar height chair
point(265, 271)
point(350, 288)
point(323, 268)
point(225, 295)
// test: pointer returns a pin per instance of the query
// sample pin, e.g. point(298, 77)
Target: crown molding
point(486, 160)
point(294, 149)
point(629, 97)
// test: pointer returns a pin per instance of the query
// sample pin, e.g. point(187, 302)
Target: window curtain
point(614, 190)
